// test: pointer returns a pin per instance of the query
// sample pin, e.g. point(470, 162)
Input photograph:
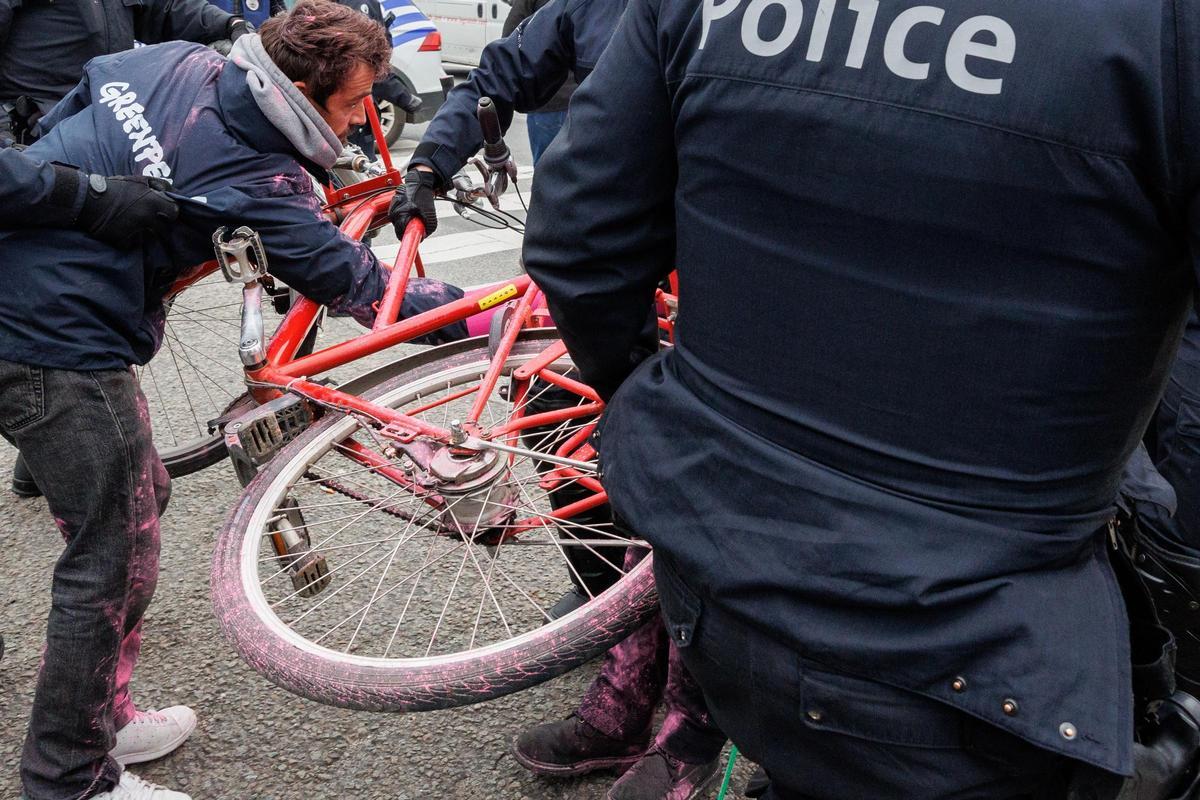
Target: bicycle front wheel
point(345, 586)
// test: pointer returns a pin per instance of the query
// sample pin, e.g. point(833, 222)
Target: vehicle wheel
point(391, 120)
point(339, 584)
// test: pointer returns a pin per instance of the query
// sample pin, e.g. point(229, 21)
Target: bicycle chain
point(353, 494)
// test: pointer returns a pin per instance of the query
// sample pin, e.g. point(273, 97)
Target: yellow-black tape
point(497, 297)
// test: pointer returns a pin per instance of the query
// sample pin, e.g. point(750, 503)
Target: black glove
point(119, 210)
point(238, 28)
point(414, 104)
point(414, 201)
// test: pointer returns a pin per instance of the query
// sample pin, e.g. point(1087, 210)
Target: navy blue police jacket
point(183, 112)
point(934, 263)
point(44, 45)
point(520, 72)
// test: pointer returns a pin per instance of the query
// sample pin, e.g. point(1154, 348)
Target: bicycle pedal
point(309, 569)
point(254, 438)
point(310, 574)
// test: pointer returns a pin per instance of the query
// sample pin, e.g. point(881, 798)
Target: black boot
point(1173, 579)
point(23, 484)
point(572, 747)
point(658, 776)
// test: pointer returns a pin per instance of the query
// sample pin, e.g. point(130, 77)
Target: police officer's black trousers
point(822, 735)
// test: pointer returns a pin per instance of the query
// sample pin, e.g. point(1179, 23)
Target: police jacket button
point(959, 684)
point(814, 715)
point(683, 634)
point(1068, 731)
point(1009, 707)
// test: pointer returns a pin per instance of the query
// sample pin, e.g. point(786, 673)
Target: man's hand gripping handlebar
point(496, 168)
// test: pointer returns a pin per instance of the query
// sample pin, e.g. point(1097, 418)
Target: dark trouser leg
point(141, 591)
point(791, 717)
point(621, 700)
point(688, 731)
point(23, 484)
point(1177, 456)
point(543, 126)
point(591, 570)
point(86, 438)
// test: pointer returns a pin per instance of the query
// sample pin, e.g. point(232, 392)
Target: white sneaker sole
point(143, 756)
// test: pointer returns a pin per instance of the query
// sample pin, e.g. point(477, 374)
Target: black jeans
point(822, 735)
point(86, 438)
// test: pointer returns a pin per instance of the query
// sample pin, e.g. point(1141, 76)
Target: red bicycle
point(400, 548)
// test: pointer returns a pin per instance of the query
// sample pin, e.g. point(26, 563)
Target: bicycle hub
point(478, 489)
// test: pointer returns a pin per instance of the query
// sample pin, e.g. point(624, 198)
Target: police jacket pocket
point(1187, 424)
point(680, 605)
point(875, 712)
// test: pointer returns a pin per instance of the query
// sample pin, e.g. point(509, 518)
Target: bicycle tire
point(207, 451)
point(349, 680)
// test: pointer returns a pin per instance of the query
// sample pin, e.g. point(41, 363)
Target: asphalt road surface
point(255, 740)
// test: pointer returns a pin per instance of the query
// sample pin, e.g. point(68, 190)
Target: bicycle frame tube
point(389, 306)
point(520, 317)
point(377, 132)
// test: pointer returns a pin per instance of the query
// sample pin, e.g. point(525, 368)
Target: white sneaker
point(152, 734)
point(132, 787)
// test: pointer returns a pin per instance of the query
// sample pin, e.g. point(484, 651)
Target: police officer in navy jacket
point(934, 262)
point(520, 72)
point(44, 45)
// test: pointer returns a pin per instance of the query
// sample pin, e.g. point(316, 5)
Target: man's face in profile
point(343, 109)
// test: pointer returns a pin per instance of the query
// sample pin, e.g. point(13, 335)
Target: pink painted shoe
point(153, 734)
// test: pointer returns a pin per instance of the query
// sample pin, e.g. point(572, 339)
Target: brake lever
point(466, 194)
point(494, 179)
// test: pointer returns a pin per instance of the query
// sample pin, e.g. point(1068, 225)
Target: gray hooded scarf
point(283, 104)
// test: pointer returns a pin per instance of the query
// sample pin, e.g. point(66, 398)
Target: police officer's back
point(934, 261)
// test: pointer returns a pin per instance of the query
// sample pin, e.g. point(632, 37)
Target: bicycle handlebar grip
point(494, 148)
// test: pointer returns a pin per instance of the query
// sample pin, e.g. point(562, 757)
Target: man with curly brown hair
point(239, 139)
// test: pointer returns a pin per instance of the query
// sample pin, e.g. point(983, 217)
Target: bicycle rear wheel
point(195, 377)
point(392, 605)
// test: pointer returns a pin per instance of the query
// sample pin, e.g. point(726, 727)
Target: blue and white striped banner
point(409, 24)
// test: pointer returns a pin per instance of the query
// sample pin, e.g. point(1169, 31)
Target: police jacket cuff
point(65, 200)
point(438, 158)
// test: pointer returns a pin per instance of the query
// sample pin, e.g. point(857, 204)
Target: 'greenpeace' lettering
point(129, 112)
point(963, 41)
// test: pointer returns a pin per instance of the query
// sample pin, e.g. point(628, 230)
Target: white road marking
point(455, 246)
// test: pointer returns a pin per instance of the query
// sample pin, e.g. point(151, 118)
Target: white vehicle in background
point(417, 61)
point(467, 26)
